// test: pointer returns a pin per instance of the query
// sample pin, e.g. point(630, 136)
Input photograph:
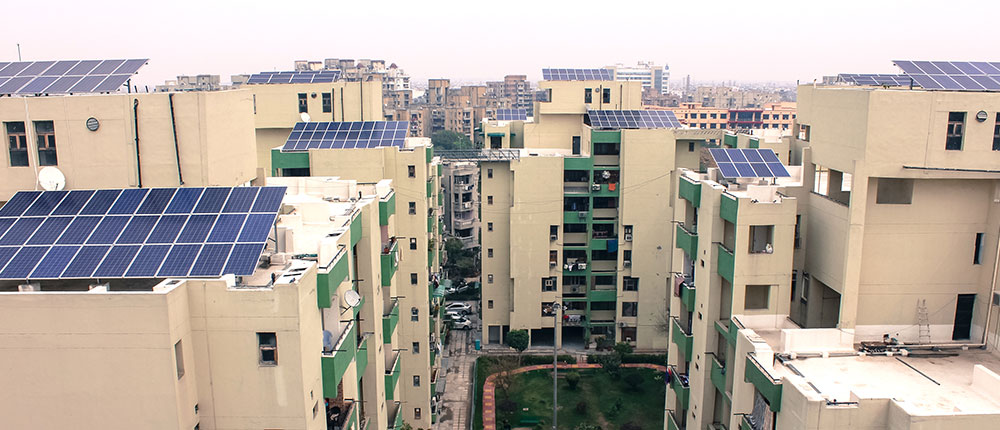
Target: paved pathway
point(454, 404)
point(489, 403)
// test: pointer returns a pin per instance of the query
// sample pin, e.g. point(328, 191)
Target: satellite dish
point(305, 117)
point(51, 179)
point(352, 298)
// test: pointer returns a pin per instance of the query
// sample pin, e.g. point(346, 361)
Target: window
point(553, 232)
point(553, 257)
point(588, 95)
point(628, 334)
point(489, 278)
point(18, 144)
point(630, 309)
point(413, 279)
point(761, 238)
point(630, 284)
point(627, 256)
point(713, 116)
point(303, 103)
point(576, 145)
point(996, 134)
point(956, 126)
point(267, 343)
point(315, 409)
point(411, 171)
point(489, 173)
point(690, 146)
point(722, 116)
point(712, 125)
point(416, 380)
point(977, 257)
point(413, 243)
point(893, 191)
point(548, 284)
point(489, 304)
point(489, 226)
point(766, 117)
point(489, 200)
point(703, 116)
point(414, 314)
point(784, 117)
point(803, 132)
point(489, 253)
point(179, 358)
point(602, 306)
point(327, 102)
point(798, 227)
point(45, 134)
point(606, 95)
point(416, 413)
point(416, 348)
point(756, 296)
point(413, 208)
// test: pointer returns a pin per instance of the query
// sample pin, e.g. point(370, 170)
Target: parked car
point(459, 307)
point(453, 315)
point(462, 323)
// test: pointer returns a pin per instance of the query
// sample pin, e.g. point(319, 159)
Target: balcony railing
point(392, 372)
point(682, 338)
point(679, 384)
point(688, 296)
point(395, 416)
point(687, 241)
point(764, 382)
point(726, 262)
point(389, 321)
point(390, 260)
point(718, 375)
point(335, 363)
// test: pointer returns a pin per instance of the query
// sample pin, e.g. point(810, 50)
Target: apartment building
point(736, 97)
point(517, 90)
point(858, 292)
point(778, 116)
point(415, 174)
point(305, 338)
point(437, 91)
point(461, 203)
point(651, 76)
point(566, 253)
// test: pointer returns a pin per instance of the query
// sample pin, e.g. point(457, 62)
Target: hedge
point(529, 360)
point(660, 359)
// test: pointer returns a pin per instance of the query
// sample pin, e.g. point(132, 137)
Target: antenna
point(305, 117)
point(51, 179)
point(352, 298)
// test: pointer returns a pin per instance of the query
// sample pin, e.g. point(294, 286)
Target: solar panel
point(304, 77)
point(631, 119)
point(346, 135)
point(145, 233)
point(953, 75)
point(67, 76)
point(877, 79)
point(748, 163)
point(511, 114)
point(577, 75)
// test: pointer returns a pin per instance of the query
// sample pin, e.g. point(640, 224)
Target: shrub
point(634, 380)
point(581, 407)
point(660, 359)
point(587, 426)
point(604, 343)
point(615, 408)
point(611, 363)
point(529, 360)
point(573, 379)
point(623, 348)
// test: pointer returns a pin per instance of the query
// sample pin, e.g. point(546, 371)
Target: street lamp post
point(555, 368)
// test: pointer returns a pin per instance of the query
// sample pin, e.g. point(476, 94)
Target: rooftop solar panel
point(136, 232)
point(346, 135)
point(631, 119)
point(748, 163)
point(577, 75)
point(67, 76)
point(877, 79)
point(953, 75)
point(511, 115)
point(306, 77)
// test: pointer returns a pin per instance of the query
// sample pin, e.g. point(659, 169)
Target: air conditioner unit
point(996, 299)
point(549, 282)
point(622, 324)
point(575, 289)
point(553, 237)
point(28, 288)
point(568, 266)
point(627, 263)
point(628, 237)
point(596, 187)
point(583, 266)
point(552, 263)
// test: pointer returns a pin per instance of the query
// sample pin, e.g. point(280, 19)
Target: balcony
point(430, 187)
point(575, 266)
point(576, 187)
point(392, 371)
point(682, 338)
point(605, 190)
point(327, 282)
point(389, 320)
point(574, 291)
point(672, 421)
point(342, 414)
point(431, 220)
point(764, 382)
point(725, 263)
point(718, 375)
point(605, 212)
point(463, 223)
point(386, 208)
point(687, 241)
point(361, 359)
point(395, 416)
point(434, 380)
point(575, 217)
point(390, 261)
point(464, 206)
point(679, 384)
point(603, 265)
point(729, 208)
point(335, 362)
point(602, 295)
point(687, 296)
point(690, 191)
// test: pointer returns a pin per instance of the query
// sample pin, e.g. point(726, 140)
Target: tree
point(634, 380)
point(611, 363)
point(573, 379)
point(517, 339)
point(622, 348)
point(504, 378)
point(447, 139)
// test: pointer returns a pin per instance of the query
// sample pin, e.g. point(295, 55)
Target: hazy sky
point(484, 40)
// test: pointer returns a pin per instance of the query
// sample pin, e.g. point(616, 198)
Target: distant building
point(647, 72)
point(517, 90)
point(461, 203)
point(777, 116)
point(192, 83)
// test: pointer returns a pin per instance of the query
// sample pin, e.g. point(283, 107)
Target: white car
point(459, 307)
point(452, 315)
point(462, 323)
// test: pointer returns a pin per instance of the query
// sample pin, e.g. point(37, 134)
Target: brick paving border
point(489, 404)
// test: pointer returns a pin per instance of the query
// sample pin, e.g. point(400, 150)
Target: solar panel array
point(306, 77)
point(632, 119)
point(136, 233)
point(346, 135)
point(577, 75)
point(876, 79)
point(953, 75)
point(67, 76)
point(511, 114)
point(749, 163)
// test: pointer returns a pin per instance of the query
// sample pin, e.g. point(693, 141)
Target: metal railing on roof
point(479, 154)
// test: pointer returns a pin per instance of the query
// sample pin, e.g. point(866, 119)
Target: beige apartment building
point(858, 293)
point(461, 203)
point(777, 116)
point(415, 175)
point(307, 341)
point(562, 224)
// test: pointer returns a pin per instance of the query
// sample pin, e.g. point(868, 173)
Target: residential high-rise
point(461, 203)
point(860, 290)
point(646, 72)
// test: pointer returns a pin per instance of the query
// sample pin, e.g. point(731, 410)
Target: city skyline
point(254, 38)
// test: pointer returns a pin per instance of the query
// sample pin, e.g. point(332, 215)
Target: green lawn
point(610, 402)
